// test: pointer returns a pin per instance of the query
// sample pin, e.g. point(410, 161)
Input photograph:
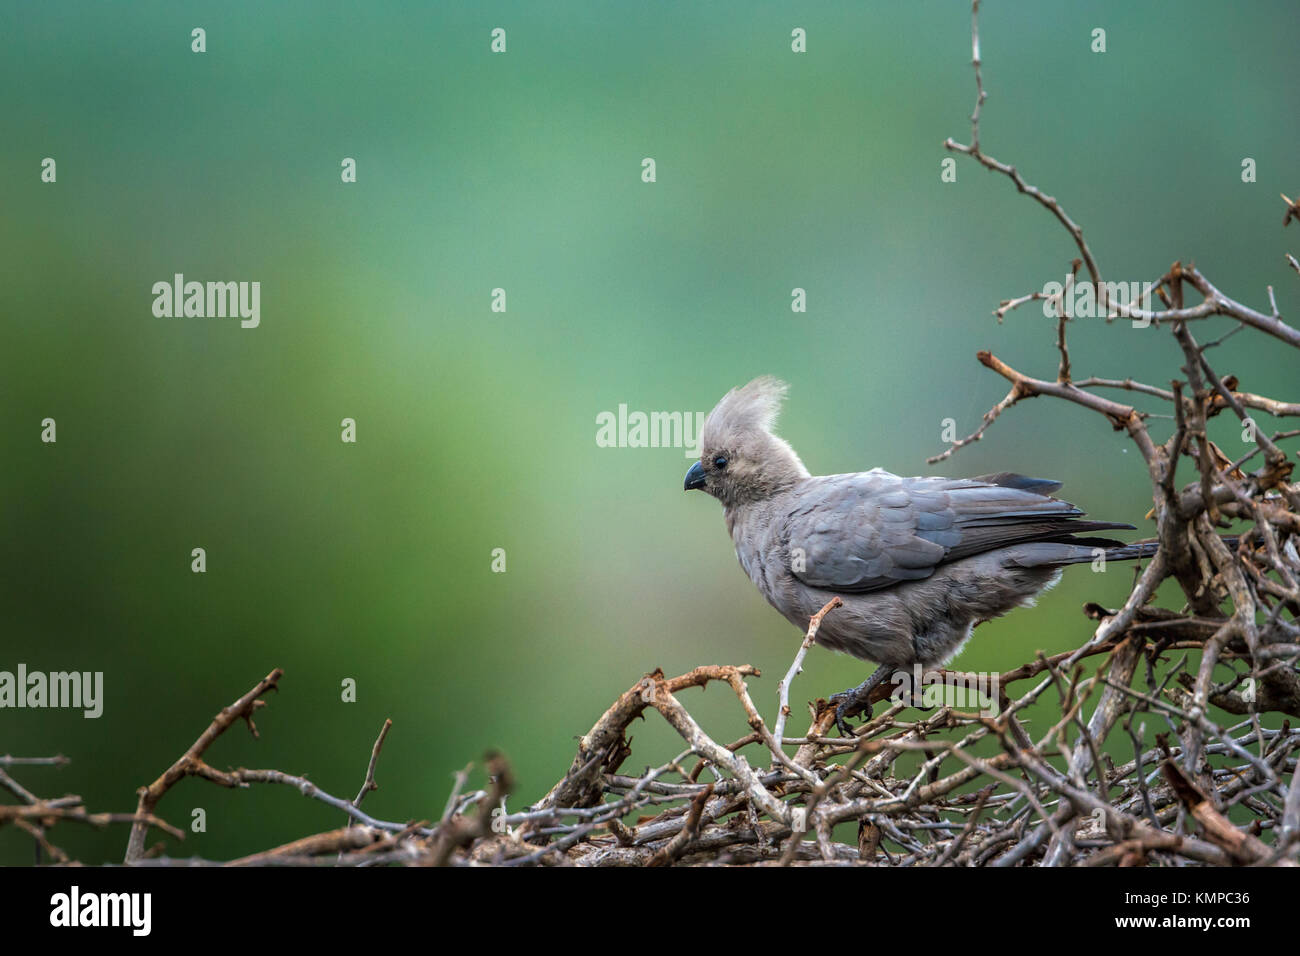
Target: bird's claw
point(850, 703)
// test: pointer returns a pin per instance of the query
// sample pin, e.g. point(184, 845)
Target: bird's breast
point(754, 549)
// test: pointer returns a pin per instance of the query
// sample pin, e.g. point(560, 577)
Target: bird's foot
point(856, 700)
point(850, 703)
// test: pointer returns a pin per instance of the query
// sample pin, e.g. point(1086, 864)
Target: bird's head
point(742, 460)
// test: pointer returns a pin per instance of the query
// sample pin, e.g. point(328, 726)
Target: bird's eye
point(719, 463)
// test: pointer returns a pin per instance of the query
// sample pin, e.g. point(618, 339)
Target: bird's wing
point(866, 531)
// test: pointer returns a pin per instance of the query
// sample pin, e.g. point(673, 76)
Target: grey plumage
point(918, 562)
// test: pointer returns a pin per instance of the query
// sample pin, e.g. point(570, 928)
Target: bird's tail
point(1143, 549)
point(1132, 552)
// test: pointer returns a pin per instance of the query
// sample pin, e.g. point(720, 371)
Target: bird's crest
point(749, 408)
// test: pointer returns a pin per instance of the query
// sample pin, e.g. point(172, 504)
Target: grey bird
point(918, 562)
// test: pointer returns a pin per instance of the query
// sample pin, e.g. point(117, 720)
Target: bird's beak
point(694, 477)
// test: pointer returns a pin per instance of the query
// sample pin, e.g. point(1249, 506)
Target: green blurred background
point(477, 429)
